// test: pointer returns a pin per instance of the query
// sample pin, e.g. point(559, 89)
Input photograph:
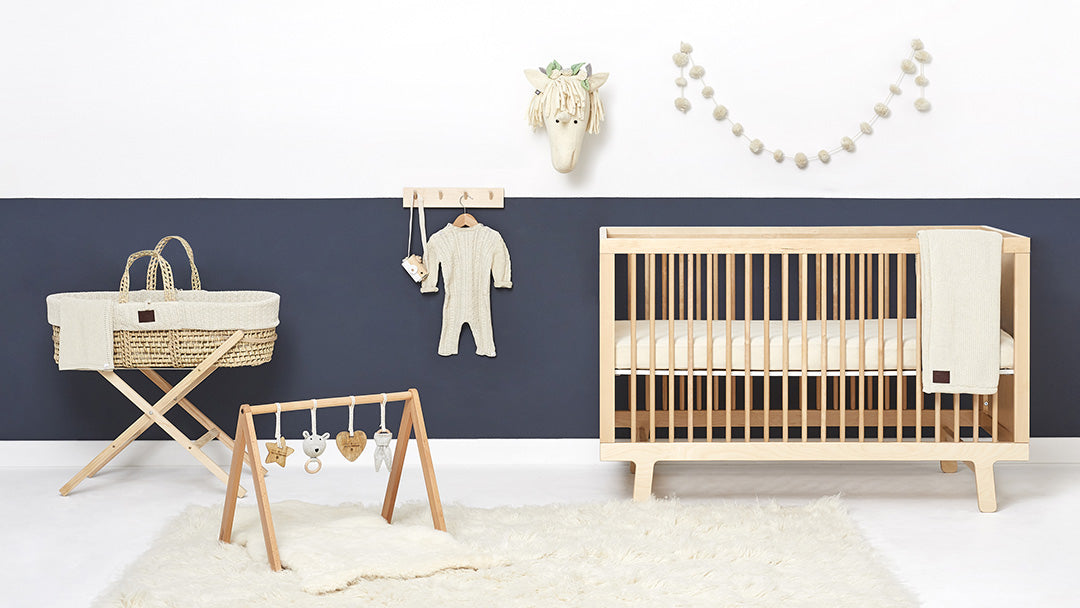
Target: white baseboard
point(447, 452)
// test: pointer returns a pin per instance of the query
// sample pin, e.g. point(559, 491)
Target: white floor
point(62, 551)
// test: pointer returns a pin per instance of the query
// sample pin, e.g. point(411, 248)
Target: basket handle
point(151, 271)
point(166, 275)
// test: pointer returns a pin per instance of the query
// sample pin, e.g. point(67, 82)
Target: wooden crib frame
point(856, 412)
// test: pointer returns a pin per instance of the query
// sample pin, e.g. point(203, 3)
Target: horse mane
point(566, 93)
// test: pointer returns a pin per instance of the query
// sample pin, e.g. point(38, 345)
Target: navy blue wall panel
point(353, 322)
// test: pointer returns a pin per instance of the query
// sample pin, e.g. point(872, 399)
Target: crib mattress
point(776, 352)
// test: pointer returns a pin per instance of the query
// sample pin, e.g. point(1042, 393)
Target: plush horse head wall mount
point(566, 104)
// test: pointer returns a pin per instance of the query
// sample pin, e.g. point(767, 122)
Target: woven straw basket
point(209, 318)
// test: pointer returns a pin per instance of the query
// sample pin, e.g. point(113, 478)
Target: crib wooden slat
point(937, 416)
point(884, 308)
point(785, 304)
point(881, 349)
point(697, 316)
point(956, 417)
point(901, 313)
point(671, 350)
point(836, 315)
point(729, 290)
point(689, 358)
point(650, 260)
point(994, 418)
point(664, 315)
point(631, 279)
point(710, 383)
point(853, 299)
point(823, 379)
point(765, 320)
point(918, 353)
point(862, 347)
point(841, 315)
point(748, 314)
point(803, 339)
point(680, 402)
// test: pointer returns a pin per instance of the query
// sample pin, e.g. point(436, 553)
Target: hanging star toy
point(277, 452)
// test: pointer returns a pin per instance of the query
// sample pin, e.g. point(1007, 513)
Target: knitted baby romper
point(468, 257)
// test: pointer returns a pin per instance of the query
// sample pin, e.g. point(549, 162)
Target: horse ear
point(537, 79)
point(597, 80)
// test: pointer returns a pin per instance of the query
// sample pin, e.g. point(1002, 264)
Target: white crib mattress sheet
point(776, 351)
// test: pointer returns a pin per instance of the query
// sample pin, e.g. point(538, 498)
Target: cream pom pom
point(923, 57)
point(682, 104)
point(697, 71)
point(881, 110)
point(680, 82)
point(737, 130)
point(917, 44)
point(800, 160)
point(908, 66)
point(921, 80)
point(823, 156)
point(681, 59)
point(847, 144)
point(707, 92)
point(895, 90)
point(922, 105)
point(686, 48)
point(866, 128)
point(756, 146)
point(778, 155)
point(719, 113)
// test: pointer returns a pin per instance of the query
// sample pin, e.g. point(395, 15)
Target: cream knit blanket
point(961, 310)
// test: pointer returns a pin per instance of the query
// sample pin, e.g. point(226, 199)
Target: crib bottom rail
point(979, 456)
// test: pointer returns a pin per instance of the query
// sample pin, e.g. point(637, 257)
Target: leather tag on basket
point(941, 377)
point(146, 316)
point(351, 446)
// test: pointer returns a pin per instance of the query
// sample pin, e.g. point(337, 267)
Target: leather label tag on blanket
point(940, 377)
point(147, 316)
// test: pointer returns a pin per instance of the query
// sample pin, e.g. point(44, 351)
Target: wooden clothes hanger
point(465, 219)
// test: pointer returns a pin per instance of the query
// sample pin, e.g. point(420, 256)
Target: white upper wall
point(257, 98)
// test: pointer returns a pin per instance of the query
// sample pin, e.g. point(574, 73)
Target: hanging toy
point(277, 451)
point(351, 443)
point(314, 443)
point(382, 438)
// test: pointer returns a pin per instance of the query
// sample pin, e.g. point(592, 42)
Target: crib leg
point(948, 466)
point(984, 485)
point(643, 476)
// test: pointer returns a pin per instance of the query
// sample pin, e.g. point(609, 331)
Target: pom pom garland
point(720, 112)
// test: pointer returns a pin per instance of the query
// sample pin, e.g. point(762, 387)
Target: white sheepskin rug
point(658, 553)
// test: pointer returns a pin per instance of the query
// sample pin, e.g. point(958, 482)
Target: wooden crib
point(667, 294)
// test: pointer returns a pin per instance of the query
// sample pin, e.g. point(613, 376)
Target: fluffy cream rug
point(658, 553)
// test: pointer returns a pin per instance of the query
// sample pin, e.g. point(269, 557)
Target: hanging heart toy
point(351, 443)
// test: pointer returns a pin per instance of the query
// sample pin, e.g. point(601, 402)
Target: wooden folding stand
point(246, 447)
point(155, 414)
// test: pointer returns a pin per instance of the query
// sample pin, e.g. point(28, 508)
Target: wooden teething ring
point(318, 465)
